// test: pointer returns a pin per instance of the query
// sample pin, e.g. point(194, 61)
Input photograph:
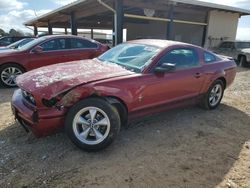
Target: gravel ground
point(188, 147)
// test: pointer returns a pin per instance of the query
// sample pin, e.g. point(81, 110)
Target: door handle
point(197, 75)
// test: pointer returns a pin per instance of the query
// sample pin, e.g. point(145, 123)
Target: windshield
point(242, 45)
point(20, 43)
point(133, 57)
point(31, 44)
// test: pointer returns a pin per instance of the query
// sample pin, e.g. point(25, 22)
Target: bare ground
point(188, 147)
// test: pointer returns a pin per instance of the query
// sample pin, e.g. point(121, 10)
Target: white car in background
point(239, 50)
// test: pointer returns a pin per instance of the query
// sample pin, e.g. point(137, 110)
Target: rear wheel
point(214, 95)
point(8, 74)
point(92, 124)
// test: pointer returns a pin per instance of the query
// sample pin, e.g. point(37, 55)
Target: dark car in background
point(45, 51)
point(239, 50)
point(5, 41)
point(17, 44)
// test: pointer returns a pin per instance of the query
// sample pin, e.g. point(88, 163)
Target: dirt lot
point(183, 148)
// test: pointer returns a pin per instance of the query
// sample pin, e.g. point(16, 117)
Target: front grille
point(28, 97)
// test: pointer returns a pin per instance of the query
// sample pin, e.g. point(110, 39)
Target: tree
point(2, 32)
point(15, 33)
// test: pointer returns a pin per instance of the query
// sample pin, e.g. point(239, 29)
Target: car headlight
point(29, 97)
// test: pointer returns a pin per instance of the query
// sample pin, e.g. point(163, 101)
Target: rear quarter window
point(209, 57)
point(82, 44)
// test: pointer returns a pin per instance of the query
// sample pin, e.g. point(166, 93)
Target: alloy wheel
point(215, 95)
point(9, 74)
point(91, 125)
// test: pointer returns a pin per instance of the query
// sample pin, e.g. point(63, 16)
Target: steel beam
point(50, 29)
point(170, 23)
point(35, 31)
point(92, 33)
point(205, 30)
point(73, 24)
point(118, 21)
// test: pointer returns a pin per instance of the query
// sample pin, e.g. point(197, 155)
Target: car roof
point(160, 43)
point(67, 36)
point(60, 36)
point(15, 37)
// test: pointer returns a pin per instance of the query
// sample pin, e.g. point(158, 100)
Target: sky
point(14, 12)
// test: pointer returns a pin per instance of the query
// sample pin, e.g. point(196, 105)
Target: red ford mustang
point(91, 99)
point(45, 51)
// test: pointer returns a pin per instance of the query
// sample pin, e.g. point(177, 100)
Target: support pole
point(170, 23)
point(92, 33)
point(73, 24)
point(66, 30)
point(35, 31)
point(205, 31)
point(50, 29)
point(118, 21)
point(113, 32)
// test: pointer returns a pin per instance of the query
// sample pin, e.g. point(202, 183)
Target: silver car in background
point(239, 50)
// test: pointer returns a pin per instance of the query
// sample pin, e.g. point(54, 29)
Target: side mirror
point(165, 67)
point(37, 50)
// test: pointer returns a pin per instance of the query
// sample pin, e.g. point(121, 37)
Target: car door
point(182, 84)
point(82, 49)
point(53, 51)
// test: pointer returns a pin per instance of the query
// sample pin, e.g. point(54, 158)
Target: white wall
point(221, 25)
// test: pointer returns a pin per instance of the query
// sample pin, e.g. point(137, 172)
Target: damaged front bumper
point(41, 122)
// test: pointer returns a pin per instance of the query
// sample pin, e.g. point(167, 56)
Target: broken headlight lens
point(28, 97)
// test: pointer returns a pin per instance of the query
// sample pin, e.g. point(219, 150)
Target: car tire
point(243, 61)
point(92, 124)
point(8, 74)
point(214, 95)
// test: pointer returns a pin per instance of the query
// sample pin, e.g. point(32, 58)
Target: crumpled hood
point(52, 80)
point(246, 50)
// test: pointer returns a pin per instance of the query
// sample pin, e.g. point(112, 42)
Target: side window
point(209, 58)
point(55, 44)
point(81, 43)
point(14, 39)
point(6, 41)
point(182, 58)
point(227, 45)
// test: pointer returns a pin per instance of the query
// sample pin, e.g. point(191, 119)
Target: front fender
point(81, 92)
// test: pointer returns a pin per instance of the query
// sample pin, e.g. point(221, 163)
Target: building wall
point(188, 33)
point(153, 29)
point(221, 26)
point(181, 32)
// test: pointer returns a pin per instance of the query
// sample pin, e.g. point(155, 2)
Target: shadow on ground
point(242, 69)
point(182, 148)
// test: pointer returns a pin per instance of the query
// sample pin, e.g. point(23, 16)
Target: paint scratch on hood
point(55, 78)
